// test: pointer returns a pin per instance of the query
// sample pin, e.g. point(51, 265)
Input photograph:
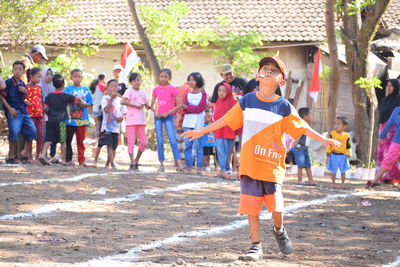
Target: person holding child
point(264, 117)
point(79, 116)
point(338, 156)
point(19, 121)
point(166, 96)
point(193, 108)
point(55, 106)
point(136, 100)
point(35, 108)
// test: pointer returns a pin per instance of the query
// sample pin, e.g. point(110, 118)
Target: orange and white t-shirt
point(263, 143)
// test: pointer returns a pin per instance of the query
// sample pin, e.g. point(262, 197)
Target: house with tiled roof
point(294, 28)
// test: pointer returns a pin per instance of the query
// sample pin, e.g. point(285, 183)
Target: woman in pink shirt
point(166, 96)
point(135, 99)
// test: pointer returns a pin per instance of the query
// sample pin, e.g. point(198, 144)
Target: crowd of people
point(247, 117)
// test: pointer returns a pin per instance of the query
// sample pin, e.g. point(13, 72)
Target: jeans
point(170, 128)
point(224, 151)
point(21, 124)
point(189, 149)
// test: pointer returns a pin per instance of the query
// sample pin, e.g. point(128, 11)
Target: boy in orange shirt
point(265, 117)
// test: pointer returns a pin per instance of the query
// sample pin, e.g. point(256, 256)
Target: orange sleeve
point(294, 125)
point(234, 117)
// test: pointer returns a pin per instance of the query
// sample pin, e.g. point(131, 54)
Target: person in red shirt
point(265, 117)
point(34, 108)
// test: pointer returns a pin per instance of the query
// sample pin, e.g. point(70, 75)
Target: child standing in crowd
point(393, 154)
point(208, 142)
point(165, 94)
point(224, 136)
point(300, 151)
point(79, 117)
point(135, 100)
point(56, 108)
point(338, 156)
point(265, 117)
point(35, 108)
point(19, 122)
point(183, 90)
point(113, 114)
point(193, 107)
point(47, 86)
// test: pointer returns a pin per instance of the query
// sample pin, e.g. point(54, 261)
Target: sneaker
point(131, 167)
point(285, 245)
point(254, 253)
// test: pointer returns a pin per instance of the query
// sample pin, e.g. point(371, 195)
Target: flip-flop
point(44, 161)
point(372, 184)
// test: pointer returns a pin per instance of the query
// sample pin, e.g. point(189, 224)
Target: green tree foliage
point(22, 20)
point(237, 49)
point(166, 38)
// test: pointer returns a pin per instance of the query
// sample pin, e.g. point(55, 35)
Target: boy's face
point(339, 126)
point(227, 77)
point(136, 83)
point(35, 79)
point(76, 77)
point(308, 118)
point(270, 76)
point(112, 88)
point(18, 70)
point(221, 92)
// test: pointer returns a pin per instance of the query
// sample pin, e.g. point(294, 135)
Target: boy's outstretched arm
point(316, 136)
point(194, 134)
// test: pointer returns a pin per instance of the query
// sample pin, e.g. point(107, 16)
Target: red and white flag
point(129, 59)
point(315, 84)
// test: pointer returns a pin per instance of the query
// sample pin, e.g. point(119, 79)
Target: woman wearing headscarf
point(385, 108)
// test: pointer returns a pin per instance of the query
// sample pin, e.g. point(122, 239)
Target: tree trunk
point(333, 62)
point(154, 65)
point(357, 36)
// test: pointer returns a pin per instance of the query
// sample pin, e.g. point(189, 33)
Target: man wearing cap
point(38, 53)
point(237, 84)
point(117, 74)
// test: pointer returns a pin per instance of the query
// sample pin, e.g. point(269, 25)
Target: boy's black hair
point(167, 71)
point(198, 78)
point(58, 81)
point(101, 76)
point(110, 81)
point(18, 62)
point(33, 72)
point(75, 70)
point(304, 112)
point(133, 76)
point(343, 119)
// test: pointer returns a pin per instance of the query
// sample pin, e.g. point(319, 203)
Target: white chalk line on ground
point(61, 180)
point(50, 208)
point(396, 263)
point(183, 237)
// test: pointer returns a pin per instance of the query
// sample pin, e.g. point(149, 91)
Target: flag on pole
point(129, 59)
point(315, 84)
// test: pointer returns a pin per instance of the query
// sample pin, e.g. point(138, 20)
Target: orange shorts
point(253, 193)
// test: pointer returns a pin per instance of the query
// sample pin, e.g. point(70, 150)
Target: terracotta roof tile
point(278, 20)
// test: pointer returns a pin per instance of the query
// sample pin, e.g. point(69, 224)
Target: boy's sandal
point(226, 176)
point(55, 161)
point(161, 169)
point(11, 161)
point(312, 184)
point(44, 161)
point(25, 160)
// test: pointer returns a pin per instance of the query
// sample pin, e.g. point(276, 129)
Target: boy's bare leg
point(299, 175)
point(309, 175)
point(206, 161)
point(277, 217)
point(11, 149)
point(96, 155)
point(110, 156)
point(333, 177)
point(27, 152)
point(64, 152)
point(343, 176)
point(44, 149)
point(254, 228)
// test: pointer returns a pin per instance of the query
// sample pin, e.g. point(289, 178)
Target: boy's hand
point(156, 115)
point(331, 142)
point(26, 102)
point(13, 112)
point(22, 90)
point(120, 119)
point(193, 134)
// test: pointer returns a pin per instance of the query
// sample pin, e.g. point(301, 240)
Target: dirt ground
point(351, 230)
